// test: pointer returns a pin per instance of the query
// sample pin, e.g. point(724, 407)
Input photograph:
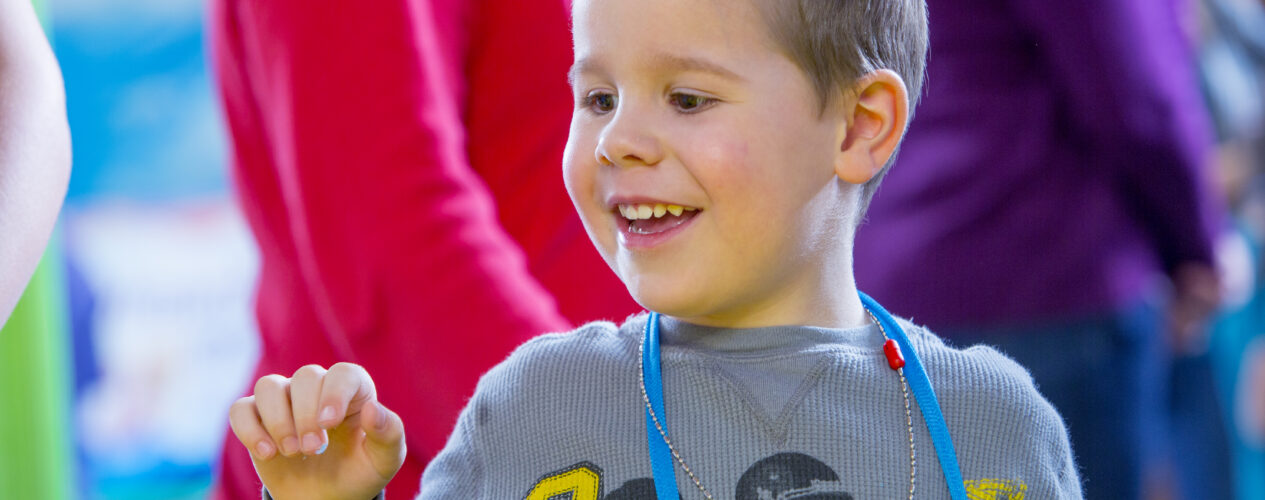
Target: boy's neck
point(831, 301)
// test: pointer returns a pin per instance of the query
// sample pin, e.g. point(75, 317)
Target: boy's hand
point(289, 420)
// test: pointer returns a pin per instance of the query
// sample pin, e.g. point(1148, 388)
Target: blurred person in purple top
point(1054, 171)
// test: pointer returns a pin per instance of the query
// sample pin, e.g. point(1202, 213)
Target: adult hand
point(1196, 295)
point(320, 434)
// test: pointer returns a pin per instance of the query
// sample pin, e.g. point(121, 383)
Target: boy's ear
point(875, 122)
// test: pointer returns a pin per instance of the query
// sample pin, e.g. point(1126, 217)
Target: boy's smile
point(704, 167)
point(648, 222)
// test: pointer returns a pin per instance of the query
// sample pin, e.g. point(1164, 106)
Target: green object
point(41, 10)
point(36, 458)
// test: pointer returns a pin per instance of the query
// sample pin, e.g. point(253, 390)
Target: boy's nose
point(626, 143)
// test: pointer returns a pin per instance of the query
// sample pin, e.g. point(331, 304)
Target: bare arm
point(34, 147)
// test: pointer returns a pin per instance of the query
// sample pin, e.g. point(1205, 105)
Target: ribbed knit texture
point(752, 412)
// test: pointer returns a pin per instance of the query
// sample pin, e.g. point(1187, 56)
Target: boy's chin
point(672, 288)
point(682, 302)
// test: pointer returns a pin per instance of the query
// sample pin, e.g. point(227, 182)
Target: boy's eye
point(689, 103)
point(601, 102)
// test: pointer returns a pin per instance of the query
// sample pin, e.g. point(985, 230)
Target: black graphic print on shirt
point(791, 475)
point(783, 476)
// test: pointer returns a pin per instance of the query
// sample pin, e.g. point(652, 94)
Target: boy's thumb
point(384, 438)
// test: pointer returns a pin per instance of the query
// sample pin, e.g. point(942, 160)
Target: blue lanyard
point(661, 463)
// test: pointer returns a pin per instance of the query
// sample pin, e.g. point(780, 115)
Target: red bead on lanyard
point(894, 358)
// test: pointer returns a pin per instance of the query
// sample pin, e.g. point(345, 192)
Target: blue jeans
point(1105, 375)
point(1200, 446)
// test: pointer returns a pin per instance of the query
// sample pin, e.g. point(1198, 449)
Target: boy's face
point(687, 103)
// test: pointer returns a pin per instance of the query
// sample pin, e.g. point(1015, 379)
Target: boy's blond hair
point(835, 42)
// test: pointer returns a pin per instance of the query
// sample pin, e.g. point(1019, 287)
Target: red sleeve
point(352, 110)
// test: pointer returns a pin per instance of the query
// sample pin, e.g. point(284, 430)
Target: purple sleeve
point(1128, 74)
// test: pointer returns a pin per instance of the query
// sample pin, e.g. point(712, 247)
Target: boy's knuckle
point(344, 367)
point(309, 371)
point(241, 406)
point(270, 383)
point(236, 418)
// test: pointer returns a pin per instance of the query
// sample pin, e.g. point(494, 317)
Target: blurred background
point(139, 326)
point(152, 272)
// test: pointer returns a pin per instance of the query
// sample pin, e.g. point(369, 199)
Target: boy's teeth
point(647, 211)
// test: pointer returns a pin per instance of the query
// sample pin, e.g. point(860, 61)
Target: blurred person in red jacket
point(400, 165)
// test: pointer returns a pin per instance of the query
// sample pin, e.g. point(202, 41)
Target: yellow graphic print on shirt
point(583, 481)
point(995, 489)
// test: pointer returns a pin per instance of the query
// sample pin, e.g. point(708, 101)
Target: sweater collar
point(762, 341)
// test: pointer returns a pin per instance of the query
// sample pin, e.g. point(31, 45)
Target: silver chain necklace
point(892, 353)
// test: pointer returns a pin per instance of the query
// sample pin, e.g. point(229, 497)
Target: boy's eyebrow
point(663, 61)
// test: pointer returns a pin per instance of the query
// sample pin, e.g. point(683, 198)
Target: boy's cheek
point(725, 167)
point(575, 179)
point(597, 221)
point(732, 151)
point(717, 149)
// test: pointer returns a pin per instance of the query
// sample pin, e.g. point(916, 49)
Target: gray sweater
point(761, 413)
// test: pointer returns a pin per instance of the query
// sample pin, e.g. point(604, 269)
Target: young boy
point(721, 155)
